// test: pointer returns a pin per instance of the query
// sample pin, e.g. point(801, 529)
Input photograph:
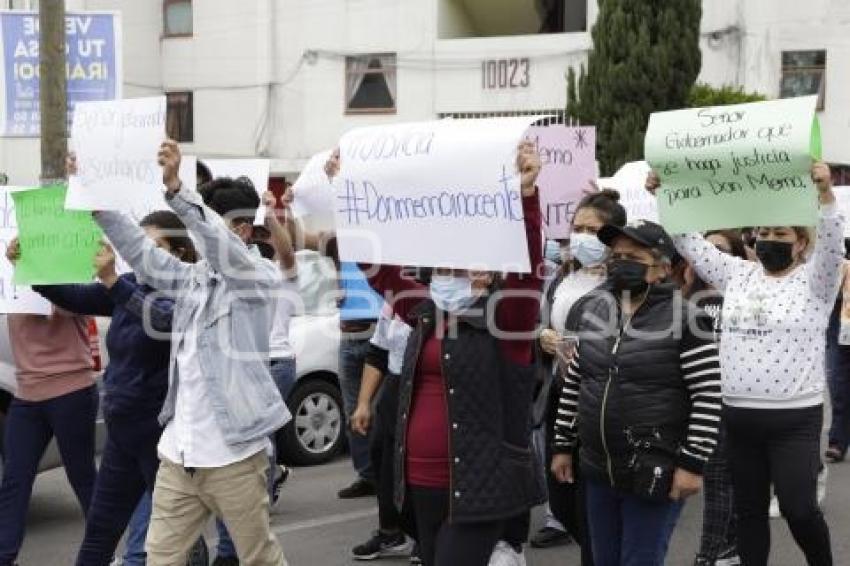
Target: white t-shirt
point(391, 334)
point(279, 344)
point(774, 328)
point(573, 287)
point(193, 438)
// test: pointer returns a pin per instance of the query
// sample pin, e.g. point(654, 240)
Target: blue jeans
point(626, 530)
point(127, 470)
point(283, 373)
point(137, 532)
point(352, 358)
point(29, 428)
point(838, 375)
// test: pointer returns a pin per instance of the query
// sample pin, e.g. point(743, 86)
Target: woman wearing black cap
point(641, 397)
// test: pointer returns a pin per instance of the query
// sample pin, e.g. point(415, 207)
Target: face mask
point(587, 249)
point(451, 294)
point(552, 252)
point(775, 256)
point(628, 275)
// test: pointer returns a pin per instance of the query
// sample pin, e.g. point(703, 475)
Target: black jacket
point(493, 473)
point(633, 388)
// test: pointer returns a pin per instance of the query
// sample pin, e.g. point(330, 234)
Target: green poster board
point(57, 245)
point(735, 166)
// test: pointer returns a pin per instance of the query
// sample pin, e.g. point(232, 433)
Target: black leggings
point(381, 450)
point(779, 447)
point(450, 544)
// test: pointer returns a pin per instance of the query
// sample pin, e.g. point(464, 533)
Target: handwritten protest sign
point(117, 144)
point(57, 245)
point(93, 48)
point(313, 196)
point(14, 298)
point(255, 169)
point(568, 156)
point(442, 194)
point(733, 166)
point(630, 182)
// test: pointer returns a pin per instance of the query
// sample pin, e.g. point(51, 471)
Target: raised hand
point(822, 177)
point(332, 164)
point(528, 164)
point(104, 265)
point(652, 182)
point(169, 159)
point(71, 164)
point(13, 251)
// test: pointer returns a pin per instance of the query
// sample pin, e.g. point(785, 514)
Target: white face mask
point(452, 293)
point(587, 249)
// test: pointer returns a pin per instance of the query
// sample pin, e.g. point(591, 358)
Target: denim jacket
point(226, 302)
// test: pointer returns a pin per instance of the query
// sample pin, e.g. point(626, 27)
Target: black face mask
point(775, 256)
point(627, 275)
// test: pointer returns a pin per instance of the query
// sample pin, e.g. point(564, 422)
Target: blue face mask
point(451, 293)
point(552, 252)
point(587, 249)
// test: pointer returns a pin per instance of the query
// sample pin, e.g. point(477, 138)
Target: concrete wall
point(752, 55)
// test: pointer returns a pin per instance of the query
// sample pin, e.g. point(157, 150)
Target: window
point(178, 117)
point(177, 18)
point(370, 84)
point(803, 74)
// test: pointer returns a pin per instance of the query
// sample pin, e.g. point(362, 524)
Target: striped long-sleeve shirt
point(700, 369)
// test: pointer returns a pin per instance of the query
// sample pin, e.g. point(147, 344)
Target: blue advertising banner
point(93, 52)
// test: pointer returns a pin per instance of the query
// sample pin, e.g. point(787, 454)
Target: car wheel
point(315, 434)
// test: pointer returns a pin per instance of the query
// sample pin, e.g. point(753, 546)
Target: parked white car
point(316, 433)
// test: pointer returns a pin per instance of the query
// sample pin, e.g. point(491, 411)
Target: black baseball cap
point(646, 233)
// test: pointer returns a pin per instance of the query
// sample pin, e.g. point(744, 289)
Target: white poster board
point(440, 194)
point(630, 182)
point(116, 143)
point(14, 298)
point(313, 194)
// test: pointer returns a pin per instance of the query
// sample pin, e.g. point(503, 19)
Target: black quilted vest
point(636, 392)
point(493, 472)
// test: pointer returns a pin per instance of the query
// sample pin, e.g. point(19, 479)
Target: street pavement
point(317, 529)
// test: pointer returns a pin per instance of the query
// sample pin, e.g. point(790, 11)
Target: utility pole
point(52, 90)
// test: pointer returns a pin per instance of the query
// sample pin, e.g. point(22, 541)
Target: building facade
point(283, 79)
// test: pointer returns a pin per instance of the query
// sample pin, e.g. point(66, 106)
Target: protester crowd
point(626, 373)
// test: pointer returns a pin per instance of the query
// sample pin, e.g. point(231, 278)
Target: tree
point(52, 90)
point(706, 95)
point(645, 58)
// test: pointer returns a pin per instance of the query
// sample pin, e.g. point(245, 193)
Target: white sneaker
point(774, 512)
point(505, 555)
point(822, 477)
